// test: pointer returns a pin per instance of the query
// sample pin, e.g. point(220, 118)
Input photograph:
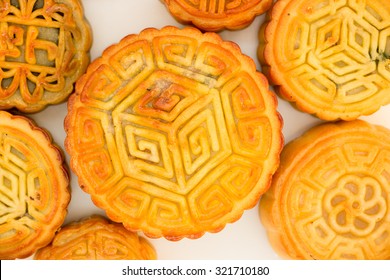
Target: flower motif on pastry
point(355, 205)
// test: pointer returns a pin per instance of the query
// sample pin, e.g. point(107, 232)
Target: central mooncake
point(173, 132)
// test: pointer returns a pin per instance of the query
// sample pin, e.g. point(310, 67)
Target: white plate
point(111, 20)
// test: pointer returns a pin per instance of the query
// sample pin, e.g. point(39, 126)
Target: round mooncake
point(215, 15)
point(44, 48)
point(329, 58)
point(173, 132)
point(34, 187)
point(96, 238)
point(330, 197)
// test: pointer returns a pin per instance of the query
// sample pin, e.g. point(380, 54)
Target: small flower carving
point(355, 205)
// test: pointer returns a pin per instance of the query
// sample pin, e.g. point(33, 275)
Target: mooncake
point(173, 132)
point(96, 238)
point(34, 187)
point(215, 15)
point(330, 197)
point(44, 48)
point(329, 58)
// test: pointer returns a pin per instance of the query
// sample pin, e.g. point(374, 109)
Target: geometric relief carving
point(332, 195)
point(181, 112)
point(33, 187)
point(336, 63)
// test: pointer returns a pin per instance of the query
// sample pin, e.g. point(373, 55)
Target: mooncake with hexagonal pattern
point(329, 58)
point(96, 238)
point(215, 15)
point(34, 187)
point(330, 197)
point(44, 48)
point(173, 132)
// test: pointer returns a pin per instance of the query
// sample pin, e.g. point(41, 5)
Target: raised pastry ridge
point(173, 132)
point(330, 197)
point(44, 48)
point(215, 15)
point(34, 187)
point(330, 58)
point(96, 238)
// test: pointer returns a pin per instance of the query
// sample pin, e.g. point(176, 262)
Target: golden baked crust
point(44, 48)
point(96, 238)
point(330, 58)
point(173, 132)
point(34, 187)
point(213, 15)
point(330, 197)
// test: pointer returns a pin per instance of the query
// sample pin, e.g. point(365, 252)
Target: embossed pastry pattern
point(33, 187)
point(330, 197)
point(96, 238)
point(331, 58)
point(173, 132)
point(215, 15)
point(44, 48)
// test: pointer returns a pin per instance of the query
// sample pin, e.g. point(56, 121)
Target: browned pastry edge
point(147, 250)
point(215, 23)
point(267, 59)
point(56, 152)
point(84, 60)
point(294, 152)
point(74, 98)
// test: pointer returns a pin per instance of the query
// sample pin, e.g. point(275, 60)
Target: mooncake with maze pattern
point(44, 48)
point(173, 132)
point(215, 15)
point(329, 58)
point(96, 238)
point(34, 187)
point(330, 197)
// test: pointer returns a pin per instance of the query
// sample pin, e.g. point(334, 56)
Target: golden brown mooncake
point(329, 58)
point(215, 15)
point(34, 187)
point(44, 48)
point(173, 132)
point(96, 238)
point(330, 197)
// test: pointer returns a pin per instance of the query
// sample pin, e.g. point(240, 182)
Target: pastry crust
point(329, 58)
point(34, 187)
point(173, 132)
point(96, 238)
point(330, 197)
point(213, 15)
point(44, 49)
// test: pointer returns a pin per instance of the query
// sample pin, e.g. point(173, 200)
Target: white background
point(111, 20)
